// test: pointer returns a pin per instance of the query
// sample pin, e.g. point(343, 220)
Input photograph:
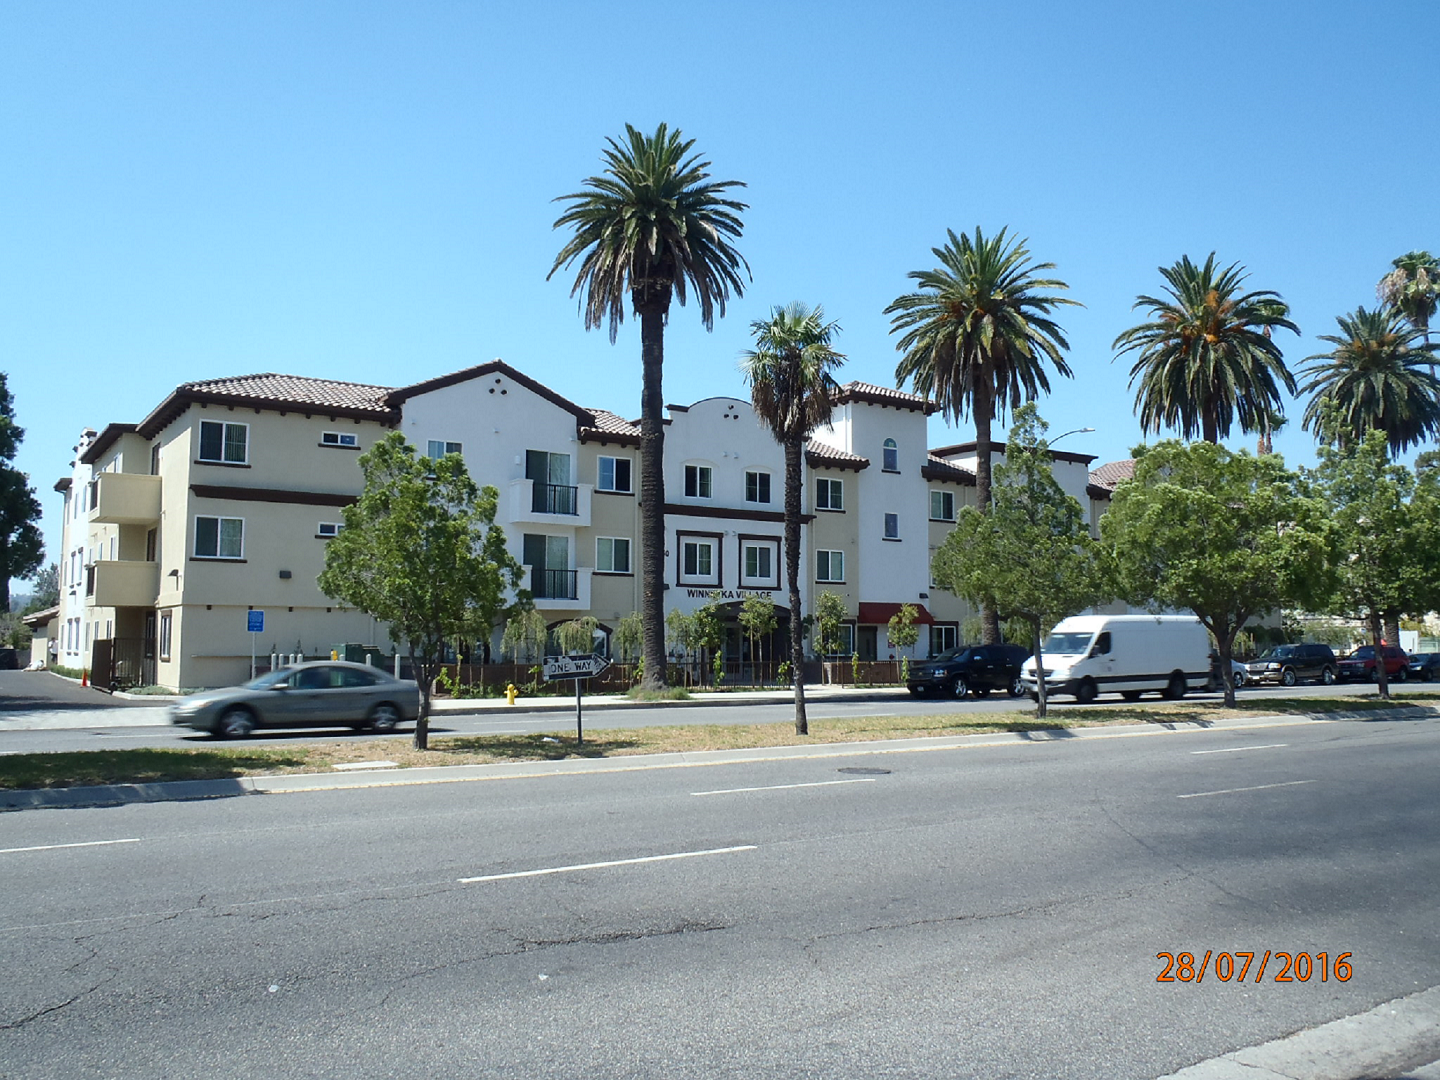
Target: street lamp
point(1072, 431)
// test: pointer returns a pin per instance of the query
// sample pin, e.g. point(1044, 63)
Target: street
point(994, 911)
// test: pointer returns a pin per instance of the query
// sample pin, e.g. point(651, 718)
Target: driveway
point(41, 691)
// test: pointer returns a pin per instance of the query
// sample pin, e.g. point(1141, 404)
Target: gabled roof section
point(1107, 477)
point(273, 391)
point(819, 455)
point(937, 468)
point(610, 428)
point(105, 440)
point(871, 394)
point(37, 619)
point(583, 417)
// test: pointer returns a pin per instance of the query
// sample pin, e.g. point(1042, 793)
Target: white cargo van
point(1087, 655)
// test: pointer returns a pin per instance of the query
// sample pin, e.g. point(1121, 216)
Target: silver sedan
point(323, 693)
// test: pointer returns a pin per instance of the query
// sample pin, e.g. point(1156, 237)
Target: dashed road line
point(783, 787)
point(606, 865)
point(1257, 787)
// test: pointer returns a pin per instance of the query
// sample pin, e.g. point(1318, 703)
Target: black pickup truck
point(978, 668)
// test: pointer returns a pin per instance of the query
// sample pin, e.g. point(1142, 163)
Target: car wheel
point(1086, 692)
point(1176, 688)
point(959, 688)
point(1130, 695)
point(1375, 674)
point(384, 718)
point(1239, 679)
point(1017, 688)
point(1428, 674)
point(1402, 675)
point(1287, 677)
point(235, 724)
point(1327, 676)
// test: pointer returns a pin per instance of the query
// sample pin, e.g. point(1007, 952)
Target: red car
point(1361, 664)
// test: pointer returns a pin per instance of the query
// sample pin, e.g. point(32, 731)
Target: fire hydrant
point(511, 693)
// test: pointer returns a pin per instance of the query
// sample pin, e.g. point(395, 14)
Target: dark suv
point(980, 668)
point(1289, 664)
point(1360, 664)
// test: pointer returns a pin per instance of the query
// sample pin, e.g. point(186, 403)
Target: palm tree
point(1413, 288)
point(1206, 356)
point(791, 389)
point(653, 225)
point(977, 333)
point(1372, 381)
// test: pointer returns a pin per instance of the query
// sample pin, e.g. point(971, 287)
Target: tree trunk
point(1382, 680)
point(794, 449)
point(1209, 427)
point(1225, 646)
point(652, 492)
point(1040, 704)
point(423, 676)
point(983, 404)
point(1392, 627)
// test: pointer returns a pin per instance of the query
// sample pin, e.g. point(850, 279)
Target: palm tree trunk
point(1392, 627)
point(652, 493)
point(793, 486)
point(984, 407)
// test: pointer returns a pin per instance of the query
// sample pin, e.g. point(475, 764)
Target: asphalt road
point(989, 912)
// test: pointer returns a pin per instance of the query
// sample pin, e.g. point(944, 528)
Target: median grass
point(221, 761)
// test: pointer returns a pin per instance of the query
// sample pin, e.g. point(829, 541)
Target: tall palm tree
point(976, 335)
point(1207, 359)
point(652, 226)
point(1372, 381)
point(791, 389)
point(1412, 287)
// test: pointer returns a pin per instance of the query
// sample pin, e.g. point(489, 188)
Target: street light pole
point(1072, 431)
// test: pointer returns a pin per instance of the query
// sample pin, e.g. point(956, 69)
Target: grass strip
point(86, 768)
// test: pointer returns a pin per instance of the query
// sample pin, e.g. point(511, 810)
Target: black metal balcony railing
point(554, 584)
point(554, 499)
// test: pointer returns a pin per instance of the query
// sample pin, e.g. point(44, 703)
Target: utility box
point(356, 654)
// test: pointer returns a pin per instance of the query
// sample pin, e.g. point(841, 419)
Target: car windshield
point(1365, 652)
point(269, 679)
point(1281, 652)
point(950, 654)
point(1068, 644)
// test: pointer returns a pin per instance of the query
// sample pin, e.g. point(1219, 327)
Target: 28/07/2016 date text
point(1227, 966)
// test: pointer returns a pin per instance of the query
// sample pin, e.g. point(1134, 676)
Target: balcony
point(118, 498)
point(559, 590)
point(532, 502)
point(122, 583)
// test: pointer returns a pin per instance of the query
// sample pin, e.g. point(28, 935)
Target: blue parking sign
point(255, 621)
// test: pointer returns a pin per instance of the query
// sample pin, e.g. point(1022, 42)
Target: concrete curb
point(120, 794)
point(1389, 1039)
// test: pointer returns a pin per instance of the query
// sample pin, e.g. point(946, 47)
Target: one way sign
point(573, 667)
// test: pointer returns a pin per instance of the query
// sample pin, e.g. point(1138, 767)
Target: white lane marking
point(53, 847)
point(1257, 787)
point(603, 865)
point(1238, 749)
point(784, 787)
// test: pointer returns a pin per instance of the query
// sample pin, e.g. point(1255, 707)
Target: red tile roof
point(879, 614)
point(884, 395)
point(819, 455)
point(1111, 473)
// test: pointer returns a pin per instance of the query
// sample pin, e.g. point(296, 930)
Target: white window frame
point(329, 529)
point(942, 497)
point(347, 439)
point(892, 527)
point(943, 630)
point(219, 531)
point(834, 498)
point(600, 485)
point(762, 481)
point(446, 447)
point(828, 557)
point(890, 456)
point(601, 559)
point(698, 576)
point(224, 426)
point(704, 485)
point(770, 549)
point(165, 634)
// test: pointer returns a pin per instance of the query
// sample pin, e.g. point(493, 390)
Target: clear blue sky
point(363, 191)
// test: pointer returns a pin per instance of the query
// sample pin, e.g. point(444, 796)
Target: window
point(757, 487)
point(615, 474)
point(155, 459)
point(219, 538)
point(165, 624)
point(151, 537)
point(942, 639)
point(891, 457)
point(339, 438)
point(942, 506)
point(697, 560)
point(847, 642)
point(550, 488)
point(697, 481)
point(892, 526)
point(225, 443)
point(438, 448)
point(612, 555)
point(830, 566)
point(828, 495)
point(760, 563)
point(328, 529)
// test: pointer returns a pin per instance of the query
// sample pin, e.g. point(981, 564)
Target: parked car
point(1360, 664)
point(1238, 673)
point(981, 668)
point(1290, 664)
point(1424, 666)
point(322, 693)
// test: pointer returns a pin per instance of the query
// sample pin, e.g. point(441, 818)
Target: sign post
point(255, 623)
point(575, 668)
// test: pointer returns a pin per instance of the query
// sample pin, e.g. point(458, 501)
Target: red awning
point(879, 614)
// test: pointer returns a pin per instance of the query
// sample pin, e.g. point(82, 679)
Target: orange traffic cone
point(84, 677)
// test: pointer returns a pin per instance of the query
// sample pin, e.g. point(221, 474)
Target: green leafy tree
point(1412, 287)
point(22, 548)
point(651, 227)
point(791, 389)
point(902, 632)
point(525, 635)
point(1031, 556)
point(628, 637)
point(1207, 359)
point(1388, 540)
point(421, 551)
point(1372, 380)
point(707, 625)
point(976, 335)
point(1225, 535)
point(47, 589)
point(757, 620)
point(576, 636)
point(829, 622)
